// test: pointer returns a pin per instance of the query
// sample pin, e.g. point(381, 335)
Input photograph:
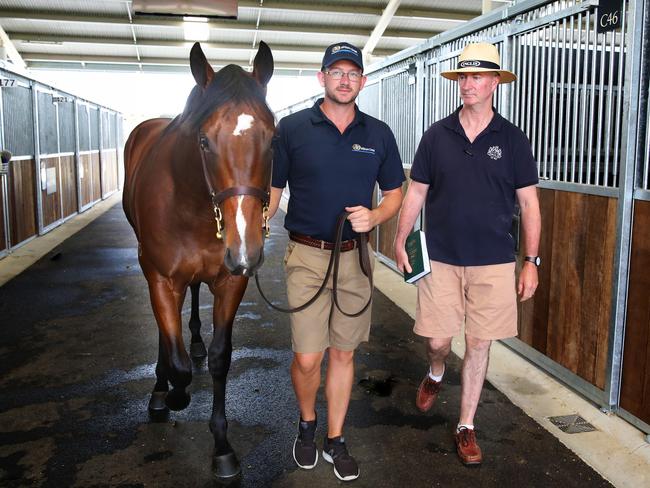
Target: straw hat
point(480, 57)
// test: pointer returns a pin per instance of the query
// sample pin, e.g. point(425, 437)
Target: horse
point(196, 193)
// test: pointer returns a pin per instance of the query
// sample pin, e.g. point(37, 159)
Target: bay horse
point(196, 193)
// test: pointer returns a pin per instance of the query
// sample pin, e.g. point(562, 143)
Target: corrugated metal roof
point(80, 33)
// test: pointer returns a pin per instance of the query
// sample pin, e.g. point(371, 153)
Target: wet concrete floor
point(78, 345)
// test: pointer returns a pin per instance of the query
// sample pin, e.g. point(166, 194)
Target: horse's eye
point(204, 143)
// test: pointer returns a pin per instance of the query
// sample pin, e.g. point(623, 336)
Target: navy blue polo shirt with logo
point(471, 196)
point(328, 171)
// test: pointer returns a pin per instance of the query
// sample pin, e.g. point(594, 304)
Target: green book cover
point(416, 250)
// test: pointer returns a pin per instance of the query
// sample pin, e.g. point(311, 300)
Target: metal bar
point(579, 188)
point(619, 104)
point(77, 155)
point(592, 103)
point(642, 194)
point(635, 421)
point(37, 161)
point(552, 102)
point(560, 372)
point(529, 77)
point(583, 110)
point(601, 96)
point(608, 116)
point(637, 74)
point(571, 87)
point(560, 133)
point(535, 107)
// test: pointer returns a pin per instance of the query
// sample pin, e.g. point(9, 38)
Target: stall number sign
point(7, 82)
point(609, 15)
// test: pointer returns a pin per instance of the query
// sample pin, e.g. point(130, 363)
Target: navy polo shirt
point(471, 196)
point(328, 171)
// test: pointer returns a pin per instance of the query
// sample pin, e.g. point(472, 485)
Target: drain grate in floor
point(572, 424)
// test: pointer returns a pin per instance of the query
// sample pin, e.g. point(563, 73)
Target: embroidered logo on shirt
point(360, 148)
point(495, 152)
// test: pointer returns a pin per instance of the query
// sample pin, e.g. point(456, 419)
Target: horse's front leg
point(227, 296)
point(197, 347)
point(173, 362)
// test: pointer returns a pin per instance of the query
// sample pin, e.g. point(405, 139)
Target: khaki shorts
point(313, 330)
point(485, 297)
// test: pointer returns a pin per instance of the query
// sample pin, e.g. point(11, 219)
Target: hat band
point(478, 64)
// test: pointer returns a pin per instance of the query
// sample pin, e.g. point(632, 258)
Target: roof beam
point(379, 29)
point(349, 9)
point(214, 24)
point(10, 50)
point(131, 60)
point(35, 38)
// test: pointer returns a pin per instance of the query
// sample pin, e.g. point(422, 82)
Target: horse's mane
point(231, 84)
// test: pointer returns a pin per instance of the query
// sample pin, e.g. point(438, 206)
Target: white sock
point(467, 426)
point(436, 378)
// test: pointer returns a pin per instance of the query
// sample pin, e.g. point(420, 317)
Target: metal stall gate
point(578, 96)
point(42, 185)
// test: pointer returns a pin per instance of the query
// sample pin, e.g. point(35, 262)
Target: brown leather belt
point(311, 242)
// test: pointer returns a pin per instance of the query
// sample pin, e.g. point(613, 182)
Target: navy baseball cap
point(342, 50)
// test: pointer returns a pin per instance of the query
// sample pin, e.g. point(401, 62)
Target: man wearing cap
point(331, 155)
point(469, 170)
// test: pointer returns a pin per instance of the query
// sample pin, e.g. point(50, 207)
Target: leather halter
point(232, 191)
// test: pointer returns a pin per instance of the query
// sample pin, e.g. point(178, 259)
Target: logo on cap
point(470, 63)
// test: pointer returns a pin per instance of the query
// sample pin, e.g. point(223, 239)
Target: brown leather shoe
point(427, 393)
point(467, 447)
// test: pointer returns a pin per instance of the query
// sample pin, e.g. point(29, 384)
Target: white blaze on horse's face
point(244, 122)
point(240, 220)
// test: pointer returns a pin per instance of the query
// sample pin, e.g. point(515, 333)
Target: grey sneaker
point(305, 453)
point(335, 452)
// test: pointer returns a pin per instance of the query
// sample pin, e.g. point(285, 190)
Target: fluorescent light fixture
point(196, 29)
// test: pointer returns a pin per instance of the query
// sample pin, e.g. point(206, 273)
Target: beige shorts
point(485, 297)
point(313, 330)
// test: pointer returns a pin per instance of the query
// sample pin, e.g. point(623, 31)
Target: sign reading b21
point(610, 15)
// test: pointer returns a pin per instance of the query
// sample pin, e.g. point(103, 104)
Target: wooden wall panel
point(86, 178)
point(568, 319)
point(51, 202)
point(68, 185)
point(22, 200)
point(635, 388)
point(109, 171)
point(388, 229)
point(96, 171)
point(3, 236)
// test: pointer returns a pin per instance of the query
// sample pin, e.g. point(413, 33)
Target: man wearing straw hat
point(469, 169)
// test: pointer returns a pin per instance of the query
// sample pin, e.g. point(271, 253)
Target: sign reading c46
point(610, 13)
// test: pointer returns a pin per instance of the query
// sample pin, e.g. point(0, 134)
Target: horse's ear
point(263, 64)
point(201, 69)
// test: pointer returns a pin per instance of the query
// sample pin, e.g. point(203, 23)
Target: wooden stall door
point(568, 319)
point(86, 178)
point(22, 200)
point(635, 388)
point(50, 191)
point(68, 185)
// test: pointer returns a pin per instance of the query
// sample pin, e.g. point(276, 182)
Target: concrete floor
point(77, 354)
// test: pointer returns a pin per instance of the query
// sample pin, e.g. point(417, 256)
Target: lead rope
point(364, 261)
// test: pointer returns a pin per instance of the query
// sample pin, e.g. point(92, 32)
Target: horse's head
point(234, 136)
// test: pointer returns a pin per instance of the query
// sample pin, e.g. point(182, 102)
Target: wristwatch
point(536, 260)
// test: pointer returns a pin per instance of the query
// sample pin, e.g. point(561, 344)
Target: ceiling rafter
point(213, 24)
point(130, 60)
point(36, 38)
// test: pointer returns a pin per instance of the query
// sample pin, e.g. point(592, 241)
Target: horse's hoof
point(226, 467)
point(158, 411)
point(177, 399)
point(197, 350)
point(157, 401)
